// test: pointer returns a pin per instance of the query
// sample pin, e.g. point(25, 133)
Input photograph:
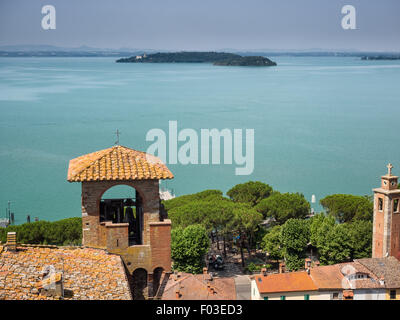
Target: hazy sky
point(203, 24)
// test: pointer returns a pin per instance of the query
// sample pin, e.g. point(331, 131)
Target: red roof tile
point(285, 282)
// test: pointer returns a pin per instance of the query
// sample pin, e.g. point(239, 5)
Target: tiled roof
point(194, 287)
point(89, 274)
point(327, 277)
point(285, 282)
point(333, 277)
point(387, 269)
point(117, 163)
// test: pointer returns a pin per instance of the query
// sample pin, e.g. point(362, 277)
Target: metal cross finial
point(117, 133)
point(390, 167)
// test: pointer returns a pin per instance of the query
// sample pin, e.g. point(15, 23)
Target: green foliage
point(340, 242)
point(62, 232)
point(360, 238)
point(336, 246)
point(185, 199)
point(320, 225)
point(250, 192)
point(253, 267)
point(271, 243)
point(188, 248)
point(213, 213)
point(347, 207)
point(295, 235)
point(284, 206)
point(245, 220)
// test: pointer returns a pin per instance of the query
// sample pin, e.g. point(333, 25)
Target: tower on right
point(386, 227)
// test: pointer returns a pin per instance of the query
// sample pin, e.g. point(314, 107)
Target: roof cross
point(390, 167)
point(117, 133)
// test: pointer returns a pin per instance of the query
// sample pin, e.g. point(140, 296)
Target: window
point(396, 205)
point(265, 298)
point(335, 296)
point(306, 297)
point(380, 204)
point(392, 294)
point(283, 297)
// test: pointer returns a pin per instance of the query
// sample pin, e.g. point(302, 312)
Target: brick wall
point(160, 240)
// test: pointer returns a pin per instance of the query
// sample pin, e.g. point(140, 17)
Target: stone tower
point(386, 228)
point(135, 228)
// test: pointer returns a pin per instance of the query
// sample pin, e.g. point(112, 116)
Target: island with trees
point(216, 58)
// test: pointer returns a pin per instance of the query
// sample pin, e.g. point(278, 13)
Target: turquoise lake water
point(322, 125)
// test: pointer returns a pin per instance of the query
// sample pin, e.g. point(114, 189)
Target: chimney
point(205, 270)
point(264, 272)
point(12, 241)
point(282, 267)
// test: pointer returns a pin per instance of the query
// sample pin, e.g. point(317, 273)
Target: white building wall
point(369, 294)
point(314, 295)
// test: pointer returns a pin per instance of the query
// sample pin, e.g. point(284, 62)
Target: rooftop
point(89, 274)
point(384, 268)
point(285, 282)
point(199, 287)
point(117, 163)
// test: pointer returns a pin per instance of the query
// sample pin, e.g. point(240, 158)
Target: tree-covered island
point(216, 58)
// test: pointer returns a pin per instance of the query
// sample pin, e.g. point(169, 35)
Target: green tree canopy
point(188, 248)
point(295, 235)
point(251, 192)
point(347, 207)
point(320, 225)
point(205, 195)
point(284, 206)
point(336, 246)
point(360, 233)
point(62, 232)
point(271, 243)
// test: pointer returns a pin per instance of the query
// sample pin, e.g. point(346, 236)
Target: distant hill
point(217, 58)
point(381, 57)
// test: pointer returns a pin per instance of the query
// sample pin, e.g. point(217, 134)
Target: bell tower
point(386, 227)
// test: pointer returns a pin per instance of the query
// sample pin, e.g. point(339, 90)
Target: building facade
point(386, 227)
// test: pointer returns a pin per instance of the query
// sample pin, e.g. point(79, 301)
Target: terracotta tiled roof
point(194, 287)
point(285, 282)
point(117, 163)
point(387, 269)
point(327, 277)
point(89, 274)
point(338, 276)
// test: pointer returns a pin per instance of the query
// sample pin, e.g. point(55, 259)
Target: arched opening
point(139, 284)
point(157, 273)
point(123, 204)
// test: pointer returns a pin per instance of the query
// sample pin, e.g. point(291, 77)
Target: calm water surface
point(322, 125)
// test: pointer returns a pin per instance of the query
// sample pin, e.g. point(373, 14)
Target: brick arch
point(139, 284)
point(157, 274)
point(123, 183)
